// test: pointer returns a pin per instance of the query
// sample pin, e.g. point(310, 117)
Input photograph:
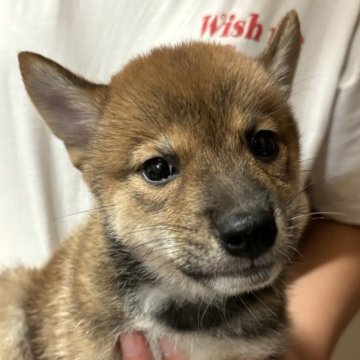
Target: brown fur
point(194, 104)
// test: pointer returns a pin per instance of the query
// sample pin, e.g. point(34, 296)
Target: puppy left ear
point(280, 58)
point(69, 104)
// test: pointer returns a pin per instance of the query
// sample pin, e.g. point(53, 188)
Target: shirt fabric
point(43, 196)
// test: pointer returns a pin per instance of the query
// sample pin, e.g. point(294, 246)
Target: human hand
point(134, 347)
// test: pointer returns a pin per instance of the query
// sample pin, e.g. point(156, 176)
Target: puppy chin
point(234, 285)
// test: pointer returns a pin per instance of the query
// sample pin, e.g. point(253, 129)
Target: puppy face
point(192, 154)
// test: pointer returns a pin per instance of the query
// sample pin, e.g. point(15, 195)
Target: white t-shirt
point(42, 195)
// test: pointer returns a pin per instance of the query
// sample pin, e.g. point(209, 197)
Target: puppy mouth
point(251, 272)
point(235, 281)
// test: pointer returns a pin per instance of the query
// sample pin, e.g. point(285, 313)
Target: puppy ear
point(69, 104)
point(281, 56)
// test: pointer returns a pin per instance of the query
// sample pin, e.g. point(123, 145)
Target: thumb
point(134, 347)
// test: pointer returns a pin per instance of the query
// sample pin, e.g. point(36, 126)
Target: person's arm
point(325, 288)
point(324, 292)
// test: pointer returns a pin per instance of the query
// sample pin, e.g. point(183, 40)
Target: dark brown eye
point(264, 145)
point(157, 170)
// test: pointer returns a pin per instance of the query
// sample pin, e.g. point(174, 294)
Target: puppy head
point(192, 154)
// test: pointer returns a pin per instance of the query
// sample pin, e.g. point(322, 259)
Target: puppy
point(192, 155)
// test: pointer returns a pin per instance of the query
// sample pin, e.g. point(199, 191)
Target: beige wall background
point(348, 347)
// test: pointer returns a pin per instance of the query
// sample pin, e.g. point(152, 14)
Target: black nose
point(248, 235)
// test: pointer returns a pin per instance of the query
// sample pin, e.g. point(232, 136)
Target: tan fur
point(15, 286)
point(195, 103)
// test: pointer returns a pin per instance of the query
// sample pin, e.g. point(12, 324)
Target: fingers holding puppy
point(134, 347)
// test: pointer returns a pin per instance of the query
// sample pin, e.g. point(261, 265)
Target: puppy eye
point(264, 145)
point(157, 170)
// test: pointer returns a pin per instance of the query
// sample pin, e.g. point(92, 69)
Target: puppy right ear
point(69, 104)
point(281, 56)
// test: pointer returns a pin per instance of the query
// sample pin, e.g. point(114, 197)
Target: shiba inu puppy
point(192, 155)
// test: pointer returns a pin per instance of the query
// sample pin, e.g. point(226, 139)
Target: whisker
point(83, 211)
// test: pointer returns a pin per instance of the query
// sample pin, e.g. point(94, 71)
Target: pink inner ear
point(70, 117)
